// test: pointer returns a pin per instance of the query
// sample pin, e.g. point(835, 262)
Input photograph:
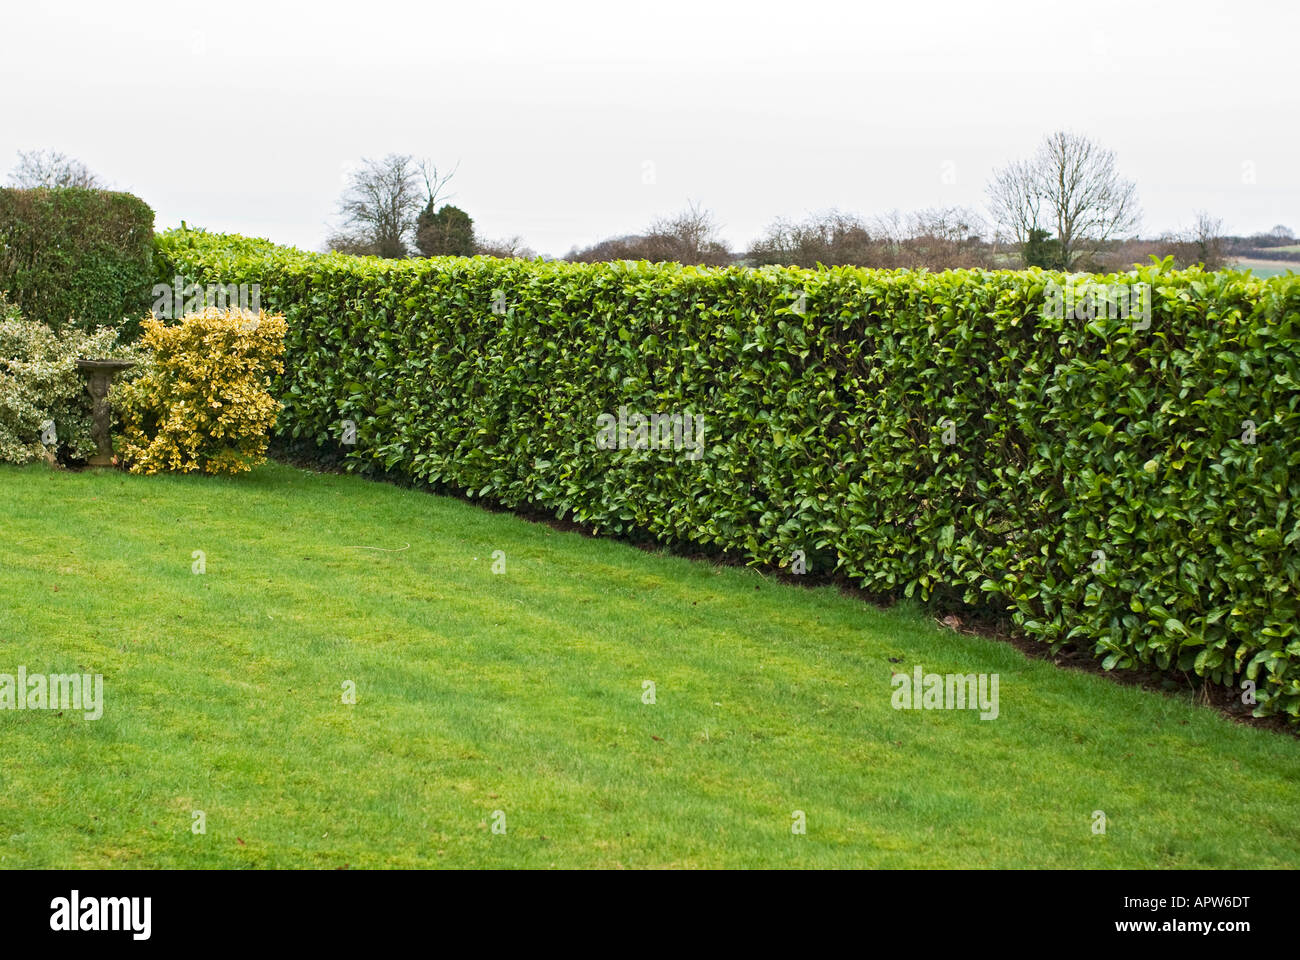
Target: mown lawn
point(522, 692)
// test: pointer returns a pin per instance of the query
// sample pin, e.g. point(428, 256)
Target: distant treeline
point(1263, 246)
point(935, 239)
point(1066, 207)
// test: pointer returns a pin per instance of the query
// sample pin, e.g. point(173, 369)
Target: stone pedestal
point(99, 374)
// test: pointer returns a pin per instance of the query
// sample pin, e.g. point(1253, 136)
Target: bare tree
point(945, 238)
point(511, 248)
point(1016, 200)
point(689, 237)
point(1070, 184)
point(1202, 243)
point(1207, 236)
point(435, 184)
point(939, 239)
point(628, 247)
point(49, 168)
point(831, 238)
point(380, 206)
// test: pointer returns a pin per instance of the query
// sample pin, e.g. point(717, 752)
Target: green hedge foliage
point(74, 257)
point(1119, 486)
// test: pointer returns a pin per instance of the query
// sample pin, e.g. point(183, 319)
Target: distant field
point(1269, 268)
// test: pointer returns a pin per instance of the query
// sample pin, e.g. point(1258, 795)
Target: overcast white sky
point(243, 116)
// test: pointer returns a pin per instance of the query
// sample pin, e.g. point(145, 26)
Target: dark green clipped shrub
point(447, 233)
point(1122, 484)
point(74, 257)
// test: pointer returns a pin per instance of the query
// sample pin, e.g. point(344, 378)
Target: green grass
point(521, 692)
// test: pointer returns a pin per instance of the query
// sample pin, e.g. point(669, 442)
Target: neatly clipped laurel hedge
point(1100, 484)
point(74, 257)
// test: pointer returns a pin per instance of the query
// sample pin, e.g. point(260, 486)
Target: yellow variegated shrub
point(201, 402)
